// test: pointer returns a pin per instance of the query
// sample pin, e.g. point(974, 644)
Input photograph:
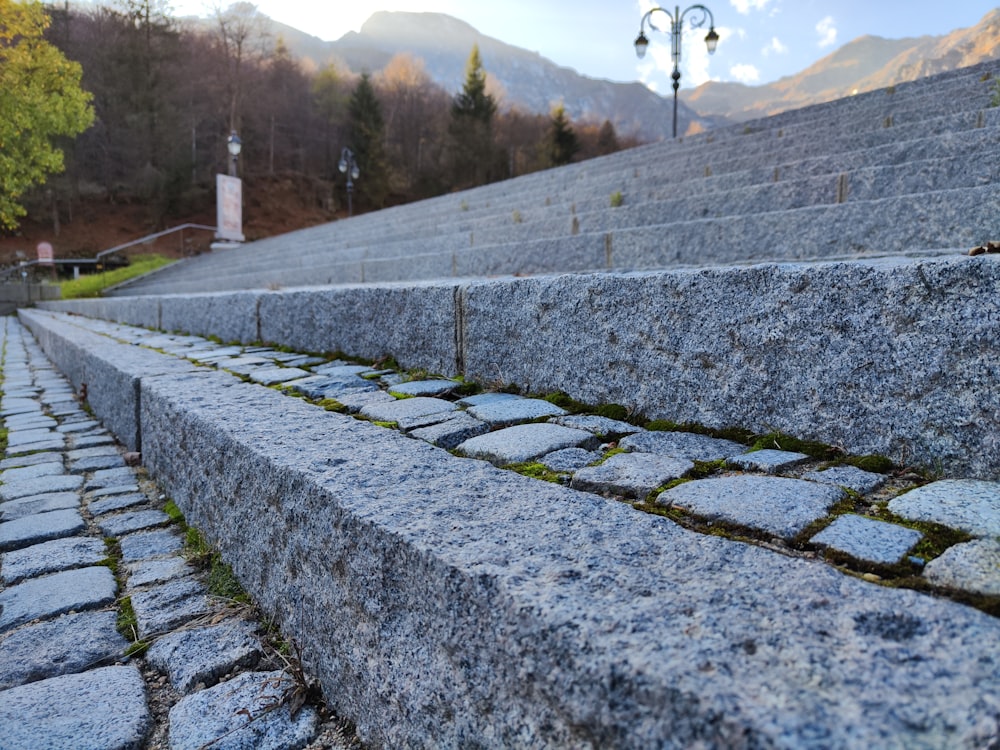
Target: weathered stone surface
point(514, 410)
point(48, 596)
point(49, 444)
point(768, 460)
point(275, 375)
point(355, 400)
point(204, 655)
point(969, 505)
point(95, 451)
point(71, 643)
point(116, 502)
point(40, 486)
point(410, 413)
point(484, 399)
point(51, 557)
point(163, 608)
point(240, 715)
point(851, 477)
point(146, 544)
point(126, 523)
point(631, 474)
point(27, 506)
point(973, 566)
point(321, 386)
point(458, 428)
point(90, 441)
point(147, 572)
point(118, 489)
point(33, 460)
point(868, 538)
point(569, 459)
point(682, 445)
point(523, 442)
point(425, 387)
point(110, 477)
point(102, 709)
point(96, 463)
point(781, 506)
point(50, 468)
point(40, 527)
point(600, 426)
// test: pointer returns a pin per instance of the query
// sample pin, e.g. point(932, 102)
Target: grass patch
point(171, 509)
point(93, 284)
point(536, 470)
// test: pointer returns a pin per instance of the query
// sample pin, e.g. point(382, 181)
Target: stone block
point(965, 504)
point(514, 411)
point(29, 506)
point(778, 505)
point(632, 475)
point(51, 557)
point(868, 539)
point(972, 566)
point(687, 445)
point(523, 442)
point(68, 644)
point(202, 656)
point(768, 460)
point(105, 706)
point(143, 545)
point(56, 594)
point(448, 434)
point(39, 527)
point(851, 477)
point(241, 713)
point(130, 521)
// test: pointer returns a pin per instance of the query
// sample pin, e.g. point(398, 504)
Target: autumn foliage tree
point(40, 98)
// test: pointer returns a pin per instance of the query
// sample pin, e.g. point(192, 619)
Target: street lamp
point(234, 144)
point(349, 167)
point(676, 24)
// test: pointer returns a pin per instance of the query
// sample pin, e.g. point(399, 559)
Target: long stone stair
point(761, 389)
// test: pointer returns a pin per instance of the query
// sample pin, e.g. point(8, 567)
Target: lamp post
point(676, 25)
point(235, 145)
point(349, 167)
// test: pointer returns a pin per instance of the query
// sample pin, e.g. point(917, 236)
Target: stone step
point(539, 614)
point(942, 219)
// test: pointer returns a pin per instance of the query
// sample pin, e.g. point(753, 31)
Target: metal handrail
point(157, 235)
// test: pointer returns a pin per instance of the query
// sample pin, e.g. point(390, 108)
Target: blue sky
point(761, 40)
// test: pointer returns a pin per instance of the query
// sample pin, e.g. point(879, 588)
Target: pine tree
point(607, 139)
point(472, 149)
point(562, 143)
point(366, 138)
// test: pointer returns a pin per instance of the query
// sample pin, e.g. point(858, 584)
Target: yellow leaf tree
point(40, 98)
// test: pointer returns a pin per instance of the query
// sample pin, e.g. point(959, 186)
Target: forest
point(167, 94)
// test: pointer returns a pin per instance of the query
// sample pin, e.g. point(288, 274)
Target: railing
point(24, 265)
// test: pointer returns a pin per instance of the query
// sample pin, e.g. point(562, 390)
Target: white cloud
point(827, 32)
point(744, 73)
point(745, 6)
point(774, 46)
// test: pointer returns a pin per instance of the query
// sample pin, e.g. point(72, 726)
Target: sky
point(760, 40)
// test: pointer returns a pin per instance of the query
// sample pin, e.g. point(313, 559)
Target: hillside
point(528, 80)
point(864, 64)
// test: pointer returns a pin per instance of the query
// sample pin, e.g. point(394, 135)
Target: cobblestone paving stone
point(198, 642)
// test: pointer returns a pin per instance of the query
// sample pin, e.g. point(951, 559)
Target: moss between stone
point(537, 470)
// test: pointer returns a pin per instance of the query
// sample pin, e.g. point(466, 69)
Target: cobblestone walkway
point(87, 557)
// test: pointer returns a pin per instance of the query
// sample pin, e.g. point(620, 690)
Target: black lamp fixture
point(676, 26)
point(349, 166)
point(235, 145)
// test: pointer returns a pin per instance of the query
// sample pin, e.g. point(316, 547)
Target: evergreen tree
point(366, 138)
point(40, 98)
point(473, 152)
point(562, 143)
point(607, 139)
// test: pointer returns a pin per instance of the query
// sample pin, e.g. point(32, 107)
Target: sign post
point(229, 210)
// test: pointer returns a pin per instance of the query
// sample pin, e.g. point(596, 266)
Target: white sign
point(229, 208)
point(45, 254)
